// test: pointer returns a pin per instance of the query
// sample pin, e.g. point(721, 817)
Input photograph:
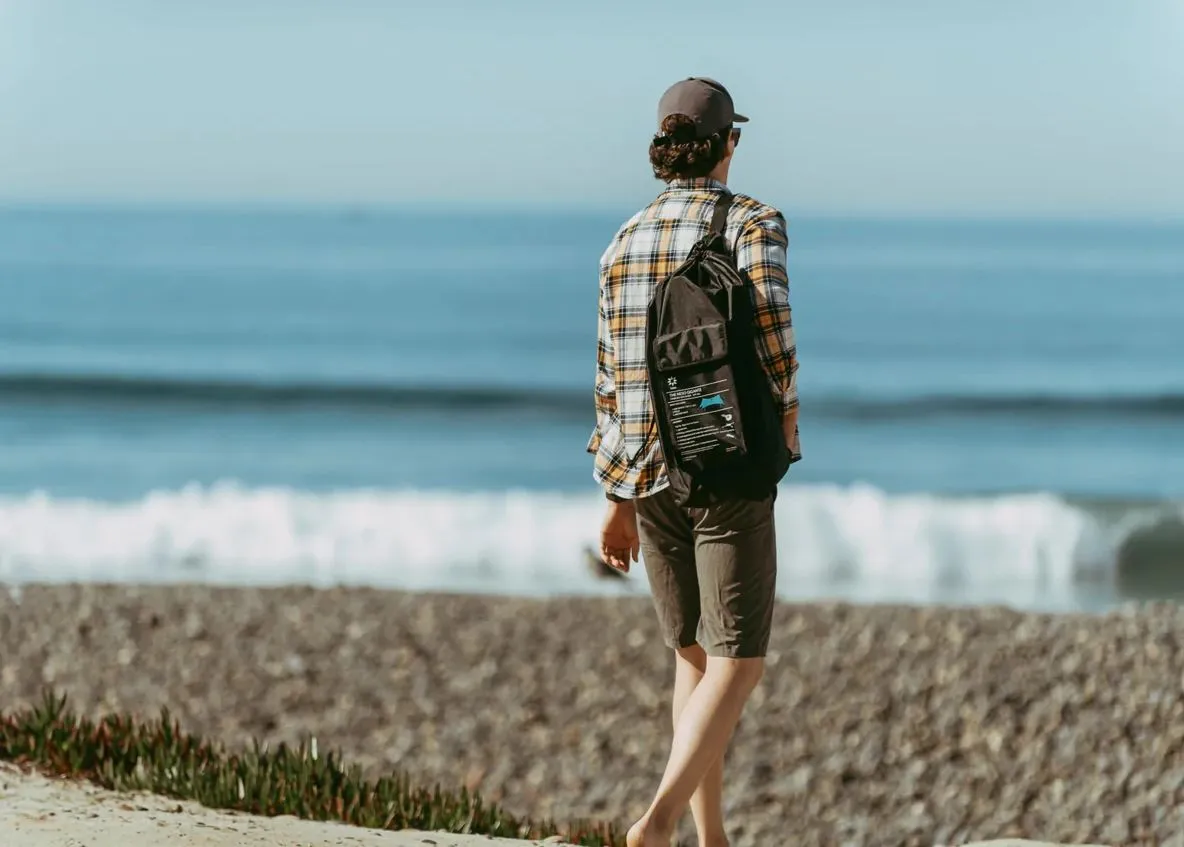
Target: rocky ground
point(874, 725)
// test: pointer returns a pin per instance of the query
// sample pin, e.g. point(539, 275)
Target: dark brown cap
point(704, 101)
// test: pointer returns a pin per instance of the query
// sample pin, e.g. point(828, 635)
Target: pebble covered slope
point(873, 726)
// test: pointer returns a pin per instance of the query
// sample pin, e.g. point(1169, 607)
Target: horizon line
point(435, 207)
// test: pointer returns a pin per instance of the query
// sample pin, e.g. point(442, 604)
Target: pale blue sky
point(979, 107)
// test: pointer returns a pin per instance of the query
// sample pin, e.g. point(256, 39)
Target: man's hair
point(677, 153)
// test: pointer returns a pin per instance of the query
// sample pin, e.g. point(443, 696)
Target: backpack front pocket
point(698, 392)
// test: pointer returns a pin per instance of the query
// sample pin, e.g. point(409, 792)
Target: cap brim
point(739, 119)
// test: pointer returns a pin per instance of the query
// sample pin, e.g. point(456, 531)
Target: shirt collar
point(696, 183)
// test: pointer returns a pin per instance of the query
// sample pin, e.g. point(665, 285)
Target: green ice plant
point(125, 754)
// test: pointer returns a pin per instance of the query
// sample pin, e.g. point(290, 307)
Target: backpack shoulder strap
point(719, 220)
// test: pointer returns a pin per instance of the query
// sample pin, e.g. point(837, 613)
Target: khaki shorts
point(712, 572)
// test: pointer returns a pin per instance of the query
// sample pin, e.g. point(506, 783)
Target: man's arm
point(761, 255)
point(619, 542)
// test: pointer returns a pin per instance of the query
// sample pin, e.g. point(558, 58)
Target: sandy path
point(40, 812)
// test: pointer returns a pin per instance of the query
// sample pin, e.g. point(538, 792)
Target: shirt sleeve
point(761, 255)
point(605, 390)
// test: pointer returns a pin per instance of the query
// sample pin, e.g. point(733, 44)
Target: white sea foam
point(856, 542)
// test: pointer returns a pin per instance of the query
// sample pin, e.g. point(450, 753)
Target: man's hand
point(619, 542)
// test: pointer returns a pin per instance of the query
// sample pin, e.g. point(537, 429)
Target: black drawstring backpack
point(717, 419)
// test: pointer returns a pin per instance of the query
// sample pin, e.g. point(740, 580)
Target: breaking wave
point(853, 541)
point(546, 402)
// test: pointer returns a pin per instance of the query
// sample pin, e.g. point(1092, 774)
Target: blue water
point(151, 359)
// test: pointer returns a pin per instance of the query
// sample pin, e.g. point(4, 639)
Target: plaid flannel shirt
point(646, 250)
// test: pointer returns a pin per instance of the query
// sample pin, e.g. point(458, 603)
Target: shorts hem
point(675, 643)
point(736, 651)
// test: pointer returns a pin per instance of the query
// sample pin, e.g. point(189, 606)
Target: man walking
point(711, 568)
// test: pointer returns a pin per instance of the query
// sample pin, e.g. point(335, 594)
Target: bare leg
point(705, 728)
point(707, 802)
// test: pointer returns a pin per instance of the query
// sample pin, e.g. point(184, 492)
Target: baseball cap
point(704, 101)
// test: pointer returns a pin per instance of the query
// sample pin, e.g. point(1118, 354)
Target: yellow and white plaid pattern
point(646, 250)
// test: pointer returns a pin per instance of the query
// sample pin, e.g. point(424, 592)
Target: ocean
point(992, 411)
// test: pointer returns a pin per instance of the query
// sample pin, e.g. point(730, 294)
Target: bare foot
point(645, 833)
